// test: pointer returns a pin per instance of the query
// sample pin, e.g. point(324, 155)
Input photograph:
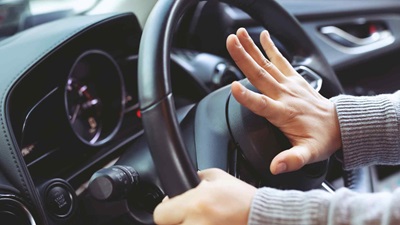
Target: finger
point(256, 54)
point(257, 103)
point(166, 198)
point(166, 214)
point(259, 77)
point(274, 54)
point(213, 174)
point(291, 160)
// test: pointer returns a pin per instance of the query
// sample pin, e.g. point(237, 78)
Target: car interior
point(109, 106)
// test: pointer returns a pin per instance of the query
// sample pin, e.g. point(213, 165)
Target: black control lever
point(113, 183)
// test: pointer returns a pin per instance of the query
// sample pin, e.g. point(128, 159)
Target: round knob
point(113, 183)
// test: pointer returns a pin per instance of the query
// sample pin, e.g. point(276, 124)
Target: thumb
point(290, 160)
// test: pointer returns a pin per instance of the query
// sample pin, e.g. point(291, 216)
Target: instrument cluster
point(95, 97)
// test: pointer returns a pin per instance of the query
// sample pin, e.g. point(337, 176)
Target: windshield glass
point(18, 15)
point(12, 13)
point(46, 6)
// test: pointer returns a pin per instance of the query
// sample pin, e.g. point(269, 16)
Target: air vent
point(14, 211)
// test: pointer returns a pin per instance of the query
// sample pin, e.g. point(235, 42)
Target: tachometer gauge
point(85, 110)
point(94, 97)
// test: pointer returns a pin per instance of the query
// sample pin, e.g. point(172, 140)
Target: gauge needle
point(76, 111)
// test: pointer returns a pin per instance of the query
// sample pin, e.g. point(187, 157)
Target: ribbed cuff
point(278, 207)
point(369, 128)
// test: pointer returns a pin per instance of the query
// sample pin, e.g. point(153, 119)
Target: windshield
point(18, 15)
point(46, 6)
point(12, 14)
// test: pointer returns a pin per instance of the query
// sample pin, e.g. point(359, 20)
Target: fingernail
point(246, 34)
point(242, 89)
point(281, 167)
point(265, 33)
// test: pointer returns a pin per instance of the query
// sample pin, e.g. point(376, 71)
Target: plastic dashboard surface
point(68, 105)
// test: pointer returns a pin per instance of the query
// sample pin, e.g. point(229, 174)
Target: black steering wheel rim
point(162, 131)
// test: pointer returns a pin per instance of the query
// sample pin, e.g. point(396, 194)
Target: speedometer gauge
point(94, 97)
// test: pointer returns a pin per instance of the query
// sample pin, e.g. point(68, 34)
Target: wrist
point(336, 134)
point(332, 126)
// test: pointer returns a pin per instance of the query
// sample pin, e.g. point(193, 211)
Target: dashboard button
point(59, 201)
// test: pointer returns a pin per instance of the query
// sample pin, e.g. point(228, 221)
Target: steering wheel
point(218, 119)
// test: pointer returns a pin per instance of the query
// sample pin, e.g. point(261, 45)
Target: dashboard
point(72, 111)
point(79, 97)
point(70, 105)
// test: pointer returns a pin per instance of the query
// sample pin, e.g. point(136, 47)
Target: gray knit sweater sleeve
point(370, 129)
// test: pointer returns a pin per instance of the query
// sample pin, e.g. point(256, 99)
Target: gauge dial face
point(85, 110)
point(94, 97)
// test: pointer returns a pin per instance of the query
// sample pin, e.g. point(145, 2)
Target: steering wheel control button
point(59, 201)
point(113, 183)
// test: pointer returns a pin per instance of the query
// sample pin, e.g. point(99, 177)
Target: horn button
point(260, 141)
